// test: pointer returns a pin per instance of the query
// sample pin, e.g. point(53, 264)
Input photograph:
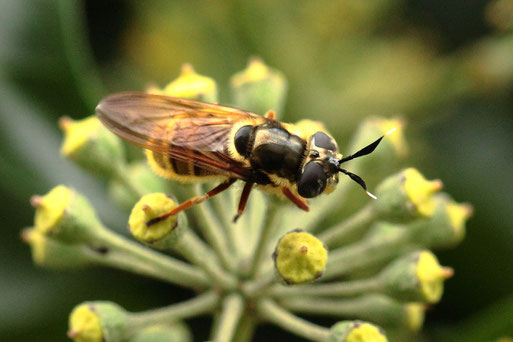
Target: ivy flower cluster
point(371, 268)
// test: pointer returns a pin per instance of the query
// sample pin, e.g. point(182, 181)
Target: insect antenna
point(366, 150)
point(358, 180)
point(363, 152)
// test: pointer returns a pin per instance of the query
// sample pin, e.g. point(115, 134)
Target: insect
point(192, 141)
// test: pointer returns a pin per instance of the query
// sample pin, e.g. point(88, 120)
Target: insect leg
point(270, 115)
point(193, 201)
point(243, 200)
point(299, 201)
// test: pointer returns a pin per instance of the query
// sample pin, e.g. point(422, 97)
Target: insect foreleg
point(193, 201)
point(300, 202)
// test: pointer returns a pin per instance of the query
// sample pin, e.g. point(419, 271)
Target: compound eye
point(322, 140)
point(313, 180)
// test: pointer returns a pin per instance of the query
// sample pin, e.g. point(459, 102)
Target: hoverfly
point(192, 141)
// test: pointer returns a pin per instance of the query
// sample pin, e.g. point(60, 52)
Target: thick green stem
point(263, 239)
point(245, 329)
point(270, 311)
point(167, 268)
point(202, 304)
point(349, 228)
point(376, 308)
point(194, 250)
point(212, 231)
point(339, 289)
point(365, 253)
point(233, 306)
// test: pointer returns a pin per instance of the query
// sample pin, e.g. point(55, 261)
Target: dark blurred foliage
point(445, 66)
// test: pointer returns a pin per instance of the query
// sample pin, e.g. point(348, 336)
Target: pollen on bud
point(64, 214)
point(92, 146)
point(416, 277)
point(189, 85)
point(97, 322)
point(406, 196)
point(356, 331)
point(300, 257)
point(149, 207)
point(259, 88)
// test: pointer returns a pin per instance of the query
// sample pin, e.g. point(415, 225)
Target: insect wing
point(181, 129)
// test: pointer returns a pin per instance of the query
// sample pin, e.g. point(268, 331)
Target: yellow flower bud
point(406, 196)
point(416, 277)
point(446, 227)
point(356, 331)
point(97, 322)
point(189, 85)
point(65, 215)
point(159, 234)
point(431, 276)
point(300, 257)
point(92, 146)
point(84, 325)
point(259, 88)
point(50, 208)
point(54, 254)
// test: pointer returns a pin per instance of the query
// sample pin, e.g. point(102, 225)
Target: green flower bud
point(300, 257)
point(97, 322)
point(446, 228)
point(259, 88)
point(406, 196)
point(189, 85)
point(54, 254)
point(162, 234)
point(356, 331)
point(65, 215)
point(140, 175)
point(92, 146)
point(417, 277)
point(177, 332)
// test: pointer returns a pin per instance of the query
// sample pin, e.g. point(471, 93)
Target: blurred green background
point(445, 66)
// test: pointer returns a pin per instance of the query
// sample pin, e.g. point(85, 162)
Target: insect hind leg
point(192, 201)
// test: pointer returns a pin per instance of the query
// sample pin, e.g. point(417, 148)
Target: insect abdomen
point(174, 169)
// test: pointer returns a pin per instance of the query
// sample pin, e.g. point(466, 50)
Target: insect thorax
point(272, 149)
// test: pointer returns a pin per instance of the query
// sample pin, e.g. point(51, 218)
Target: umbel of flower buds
point(300, 257)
